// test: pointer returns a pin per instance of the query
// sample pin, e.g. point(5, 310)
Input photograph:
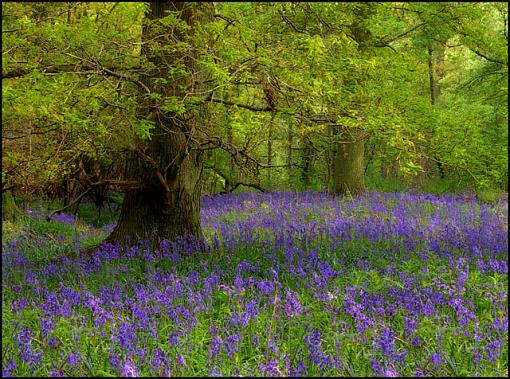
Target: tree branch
point(211, 99)
point(124, 183)
point(385, 42)
point(227, 187)
point(487, 58)
point(252, 185)
point(72, 68)
point(48, 218)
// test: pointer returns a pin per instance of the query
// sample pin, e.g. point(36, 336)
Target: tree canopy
point(264, 95)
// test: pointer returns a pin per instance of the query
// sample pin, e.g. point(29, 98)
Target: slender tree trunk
point(290, 138)
point(306, 162)
point(436, 73)
point(270, 149)
point(232, 175)
point(330, 155)
point(65, 190)
point(169, 204)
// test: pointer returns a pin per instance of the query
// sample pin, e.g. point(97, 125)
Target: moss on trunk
point(10, 209)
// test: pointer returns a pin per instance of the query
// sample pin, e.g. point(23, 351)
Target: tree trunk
point(152, 210)
point(65, 190)
point(10, 209)
point(306, 161)
point(436, 57)
point(348, 168)
point(270, 150)
point(289, 164)
point(168, 206)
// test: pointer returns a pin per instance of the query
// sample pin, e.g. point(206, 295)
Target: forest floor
point(292, 284)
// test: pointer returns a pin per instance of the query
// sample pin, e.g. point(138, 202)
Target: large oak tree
point(169, 164)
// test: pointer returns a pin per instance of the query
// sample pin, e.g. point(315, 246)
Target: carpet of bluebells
point(290, 284)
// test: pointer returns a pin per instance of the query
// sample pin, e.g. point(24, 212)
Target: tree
point(168, 165)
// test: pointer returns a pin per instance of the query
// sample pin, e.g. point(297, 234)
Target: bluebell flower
point(214, 372)
point(436, 359)
point(292, 305)
point(271, 368)
point(493, 350)
point(9, 369)
point(215, 346)
point(73, 359)
point(129, 369)
point(232, 344)
point(180, 359)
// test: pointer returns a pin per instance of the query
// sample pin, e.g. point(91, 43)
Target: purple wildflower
point(26, 353)
point(390, 372)
point(9, 369)
point(420, 373)
point(232, 344)
point(215, 346)
point(292, 306)
point(129, 369)
point(436, 360)
point(493, 350)
point(376, 366)
point(180, 359)
point(271, 368)
point(114, 360)
point(159, 359)
point(214, 372)
point(73, 359)
point(300, 370)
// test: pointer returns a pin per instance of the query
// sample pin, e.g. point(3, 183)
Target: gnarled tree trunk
point(169, 202)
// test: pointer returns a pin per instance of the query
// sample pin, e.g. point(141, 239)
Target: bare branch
point(286, 19)
point(123, 183)
point(225, 18)
point(72, 68)
point(385, 42)
point(48, 218)
point(42, 131)
point(493, 60)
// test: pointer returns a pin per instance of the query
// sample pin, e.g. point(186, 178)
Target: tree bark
point(436, 54)
point(348, 167)
point(10, 209)
point(270, 149)
point(306, 162)
point(170, 205)
point(290, 140)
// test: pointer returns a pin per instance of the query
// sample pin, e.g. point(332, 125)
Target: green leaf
point(143, 129)
point(173, 104)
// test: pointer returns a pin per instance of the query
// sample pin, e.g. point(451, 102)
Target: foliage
point(71, 86)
